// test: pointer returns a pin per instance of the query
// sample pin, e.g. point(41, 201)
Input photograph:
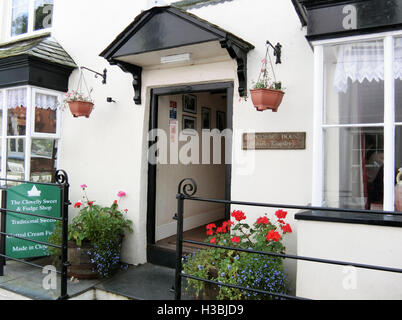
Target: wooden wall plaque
point(274, 141)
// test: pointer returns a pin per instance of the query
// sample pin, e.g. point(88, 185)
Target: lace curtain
point(45, 101)
point(364, 61)
point(18, 98)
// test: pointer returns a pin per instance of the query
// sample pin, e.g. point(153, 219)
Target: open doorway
point(186, 119)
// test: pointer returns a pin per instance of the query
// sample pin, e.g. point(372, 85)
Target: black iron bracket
point(240, 55)
point(103, 75)
point(277, 51)
point(136, 72)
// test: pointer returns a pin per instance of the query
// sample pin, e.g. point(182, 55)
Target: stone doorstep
point(142, 282)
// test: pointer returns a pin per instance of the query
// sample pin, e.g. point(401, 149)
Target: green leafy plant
point(248, 270)
point(102, 227)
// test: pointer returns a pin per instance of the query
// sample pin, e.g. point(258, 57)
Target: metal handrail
point(186, 190)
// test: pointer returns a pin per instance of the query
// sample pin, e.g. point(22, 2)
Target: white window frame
point(389, 115)
point(30, 128)
point(31, 14)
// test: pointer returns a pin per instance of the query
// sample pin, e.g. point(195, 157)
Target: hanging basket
point(81, 108)
point(264, 99)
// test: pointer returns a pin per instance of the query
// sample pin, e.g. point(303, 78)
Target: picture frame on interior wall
point(189, 103)
point(220, 120)
point(205, 118)
point(189, 125)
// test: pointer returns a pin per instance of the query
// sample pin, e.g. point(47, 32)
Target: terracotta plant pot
point(264, 99)
point(81, 108)
point(80, 262)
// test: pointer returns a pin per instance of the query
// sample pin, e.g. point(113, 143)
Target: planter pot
point(264, 99)
point(81, 108)
point(80, 264)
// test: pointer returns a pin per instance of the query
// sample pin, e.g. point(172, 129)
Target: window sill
point(355, 218)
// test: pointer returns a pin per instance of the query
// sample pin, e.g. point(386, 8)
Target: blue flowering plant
point(101, 228)
point(248, 270)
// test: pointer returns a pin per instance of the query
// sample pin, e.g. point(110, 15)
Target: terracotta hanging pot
point(81, 108)
point(264, 99)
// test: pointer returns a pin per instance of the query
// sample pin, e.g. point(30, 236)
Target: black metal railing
point(61, 179)
point(186, 190)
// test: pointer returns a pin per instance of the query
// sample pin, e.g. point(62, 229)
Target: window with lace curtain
point(30, 121)
point(354, 123)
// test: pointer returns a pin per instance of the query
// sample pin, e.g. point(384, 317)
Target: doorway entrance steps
point(142, 282)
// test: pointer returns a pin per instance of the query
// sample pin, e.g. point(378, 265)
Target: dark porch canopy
point(164, 31)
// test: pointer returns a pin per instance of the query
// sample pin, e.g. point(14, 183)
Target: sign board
point(37, 199)
point(274, 140)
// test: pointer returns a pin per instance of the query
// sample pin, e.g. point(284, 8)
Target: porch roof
point(164, 31)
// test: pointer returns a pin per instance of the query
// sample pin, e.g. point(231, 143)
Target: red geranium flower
point(236, 240)
point(273, 235)
point(90, 203)
point(220, 230)
point(281, 221)
point(210, 232)
point(281, 214)
point(210, 226)
point(286, 228)
point(262, 220)
point(227, 224)
point(213, 240)
point(238, 215)
point(77, 204)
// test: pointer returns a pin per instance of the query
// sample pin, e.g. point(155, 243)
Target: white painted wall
point(108, 151)
point(373, 245)
point(104, 151)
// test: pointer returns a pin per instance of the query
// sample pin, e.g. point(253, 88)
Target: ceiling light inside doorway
point(176, 58)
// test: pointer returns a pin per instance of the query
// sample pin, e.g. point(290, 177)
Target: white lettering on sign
point(350, 20)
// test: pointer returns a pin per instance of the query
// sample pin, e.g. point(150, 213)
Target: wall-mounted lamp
point(176, 58)
point(103, 75)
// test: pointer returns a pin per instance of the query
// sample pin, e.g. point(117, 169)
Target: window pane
point(43, 14)
point(398, 79)
point(354, 159)
point(16, 119)
point(19, 19)
point(354, 83)
point(1, 113)
point(45, 113)
point(16, 158)
point(43, 160)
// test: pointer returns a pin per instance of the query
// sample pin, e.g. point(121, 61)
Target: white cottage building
point(189, 65)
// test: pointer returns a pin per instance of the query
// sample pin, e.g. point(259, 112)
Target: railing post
point(3, 230)
point(187, 188)
point(62, 179)
point(179, 245)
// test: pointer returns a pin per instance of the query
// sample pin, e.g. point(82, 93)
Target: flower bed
point(248, 270)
